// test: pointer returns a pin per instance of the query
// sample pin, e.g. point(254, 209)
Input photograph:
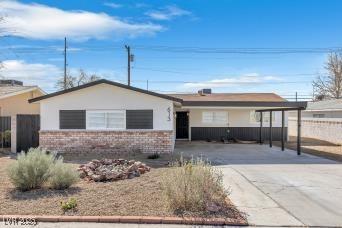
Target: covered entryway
point(182, 125)
point(28, 127)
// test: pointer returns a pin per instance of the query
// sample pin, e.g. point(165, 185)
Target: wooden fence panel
point(28, 127)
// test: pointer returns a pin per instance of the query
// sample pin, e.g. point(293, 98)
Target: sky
point(178, 46)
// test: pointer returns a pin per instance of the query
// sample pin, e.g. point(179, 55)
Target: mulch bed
point(140, 196)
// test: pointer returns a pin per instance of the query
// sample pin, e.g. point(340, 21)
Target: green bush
point(70, 204)
point(62, 175)
point(193, 187)
point(31, 170)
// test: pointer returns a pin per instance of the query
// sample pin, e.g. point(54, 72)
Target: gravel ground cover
point(141, 196)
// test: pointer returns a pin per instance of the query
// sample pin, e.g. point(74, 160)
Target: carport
point(300, 106)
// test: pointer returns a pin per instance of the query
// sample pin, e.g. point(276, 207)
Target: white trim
point(106, 111)
point(228, 107)
point(22, 91)
point(323, 110)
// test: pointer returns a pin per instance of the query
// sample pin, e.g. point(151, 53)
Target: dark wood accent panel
point(72, 119)
point(182, 125)
point(28, 127)
point(5, 125)
point(139, 119)
point(241, 133)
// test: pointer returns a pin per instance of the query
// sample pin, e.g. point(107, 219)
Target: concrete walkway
point(274, 187)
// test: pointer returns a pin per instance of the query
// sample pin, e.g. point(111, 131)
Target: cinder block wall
point(86, 141)
point(327, 129)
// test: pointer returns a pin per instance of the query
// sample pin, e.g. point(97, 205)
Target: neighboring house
point(323, 109)
point(109, 116)
point(321, 120)
point(14, 98)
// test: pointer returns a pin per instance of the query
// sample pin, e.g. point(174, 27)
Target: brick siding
point(86, 141)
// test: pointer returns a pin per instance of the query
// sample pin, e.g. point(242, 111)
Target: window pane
point(207, 117)
point(106, 119)
point(215, 117)
point(220, 117)
point(96, 120)
point(116, 120)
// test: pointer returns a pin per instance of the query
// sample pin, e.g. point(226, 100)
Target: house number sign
point(169, 114)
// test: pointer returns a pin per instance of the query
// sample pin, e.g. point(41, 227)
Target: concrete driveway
point(274, 187)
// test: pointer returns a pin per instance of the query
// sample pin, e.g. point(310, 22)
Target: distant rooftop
point(253, 97)
point(335, 104)
point(10, 82)
point(9, 87)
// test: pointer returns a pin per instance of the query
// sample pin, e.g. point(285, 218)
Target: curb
point(130, 219)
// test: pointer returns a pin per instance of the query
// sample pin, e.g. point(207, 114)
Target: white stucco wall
point(105, 97)
point(236, 118)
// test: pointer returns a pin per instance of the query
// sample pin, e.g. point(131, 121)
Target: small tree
point(73, 81)
point(330, 86)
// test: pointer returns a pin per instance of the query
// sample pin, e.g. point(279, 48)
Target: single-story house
point(14, 98)
point(109, 116)
point(323, 109)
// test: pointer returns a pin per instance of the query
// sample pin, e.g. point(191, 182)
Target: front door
point(182, 125)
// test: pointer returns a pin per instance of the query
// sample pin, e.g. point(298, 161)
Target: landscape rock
point(112, 170)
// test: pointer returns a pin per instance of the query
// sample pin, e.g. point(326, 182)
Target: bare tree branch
point(73, 81)
point(330, 86)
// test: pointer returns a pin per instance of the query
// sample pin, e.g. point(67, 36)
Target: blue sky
point(32, 42)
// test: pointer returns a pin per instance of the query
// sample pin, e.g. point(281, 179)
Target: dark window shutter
point(72, 119)
point(139, 119)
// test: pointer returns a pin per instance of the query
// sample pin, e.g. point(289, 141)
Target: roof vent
point(10, 82)
point(204, 92)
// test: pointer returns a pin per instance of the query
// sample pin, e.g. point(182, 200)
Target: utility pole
point(130, 58)
point(296, 96)
point(65, 63)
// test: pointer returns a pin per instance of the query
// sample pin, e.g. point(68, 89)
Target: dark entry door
point(182, 125)
point(27, 132)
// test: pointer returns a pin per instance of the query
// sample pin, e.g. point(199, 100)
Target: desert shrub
point(31, 170)
point(69, 205)
point(193, 187)
point(153, 156)
point(62, 175)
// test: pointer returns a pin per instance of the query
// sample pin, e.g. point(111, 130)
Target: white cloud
point(247, 79)
point(37, 21)
point(168, 13)
point(44, 75)
point(112, 5)
point(47, 75)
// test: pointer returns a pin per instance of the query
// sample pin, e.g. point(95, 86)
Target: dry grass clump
point(37, 167)
point(194, 186)
point(31, 170)
point(62, 175)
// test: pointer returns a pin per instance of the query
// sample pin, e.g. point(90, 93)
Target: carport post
point(299, 124)
point(260, 130)
point(270, 128)
point(282, 129)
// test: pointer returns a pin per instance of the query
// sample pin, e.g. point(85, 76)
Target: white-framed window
point(215, 117)
point(106, 119)
point(254, 117)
